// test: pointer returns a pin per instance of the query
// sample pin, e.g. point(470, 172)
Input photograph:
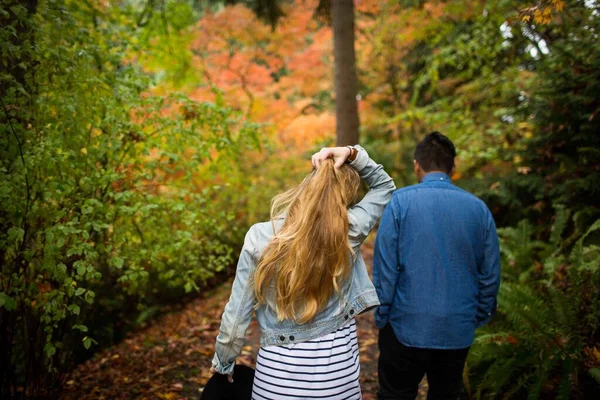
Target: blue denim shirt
point(356, 295)
point(436, 265)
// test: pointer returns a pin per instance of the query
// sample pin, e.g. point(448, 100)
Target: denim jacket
point(357, 294)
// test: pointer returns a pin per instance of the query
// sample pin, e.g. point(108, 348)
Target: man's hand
point(229, 377)
point(339, 155)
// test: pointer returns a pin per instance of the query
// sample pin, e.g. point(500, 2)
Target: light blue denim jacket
point(356, 296)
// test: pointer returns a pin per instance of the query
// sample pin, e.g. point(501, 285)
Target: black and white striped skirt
point(323, 368)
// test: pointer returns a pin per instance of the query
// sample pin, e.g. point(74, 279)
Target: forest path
point(170, 359)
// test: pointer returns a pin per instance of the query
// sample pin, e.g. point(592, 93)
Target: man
point(436, 269)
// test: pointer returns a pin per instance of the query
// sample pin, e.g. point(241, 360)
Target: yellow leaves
point(543, 17)
point(168, 396)
point(542, 13)
point(593, 355)
point(526, 130)
point(559, 5)
point(95, 132)
point(84, 151)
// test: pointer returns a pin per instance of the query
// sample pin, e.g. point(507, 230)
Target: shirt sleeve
point(238, 311)
point(489, 274)
point(385, 264)
point(363, 216)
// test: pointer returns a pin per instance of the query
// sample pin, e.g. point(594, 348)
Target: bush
point(544, 341)
point(105, 191)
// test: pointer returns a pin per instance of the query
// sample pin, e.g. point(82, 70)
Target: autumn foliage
point(140, 140)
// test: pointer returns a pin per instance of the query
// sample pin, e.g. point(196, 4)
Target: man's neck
point(424, 174)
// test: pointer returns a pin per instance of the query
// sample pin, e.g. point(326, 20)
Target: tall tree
point(346, 85)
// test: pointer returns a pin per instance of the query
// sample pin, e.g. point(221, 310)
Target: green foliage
point(544, 339)
point(105, 189)
point(559, 162)
point(519, 99)
point(519, 249)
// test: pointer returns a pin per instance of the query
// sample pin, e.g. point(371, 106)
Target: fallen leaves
point(171, 358)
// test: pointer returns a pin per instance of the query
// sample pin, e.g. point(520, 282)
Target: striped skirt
point(324, 368)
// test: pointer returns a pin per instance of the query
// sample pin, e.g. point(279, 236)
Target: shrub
point(544, 341)
point(105, 194)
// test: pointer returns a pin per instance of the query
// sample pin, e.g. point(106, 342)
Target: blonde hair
point(309, 258)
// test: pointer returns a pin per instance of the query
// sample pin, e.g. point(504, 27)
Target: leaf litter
point(170, 359)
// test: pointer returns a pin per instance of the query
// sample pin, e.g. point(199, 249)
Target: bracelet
point(353, 154)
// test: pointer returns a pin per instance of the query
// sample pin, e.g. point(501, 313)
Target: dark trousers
point(401, 369)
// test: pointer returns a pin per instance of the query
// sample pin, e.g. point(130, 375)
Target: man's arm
point(386, 263)
point(489, 275)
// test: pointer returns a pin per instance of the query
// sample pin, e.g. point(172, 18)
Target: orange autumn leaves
point(270, 75)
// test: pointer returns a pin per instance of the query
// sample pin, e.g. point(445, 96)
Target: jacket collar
point(436, 176)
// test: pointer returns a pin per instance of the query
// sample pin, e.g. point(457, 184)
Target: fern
point(518, 248)
point(560, 223)
point(536, 346)
point(586, 258)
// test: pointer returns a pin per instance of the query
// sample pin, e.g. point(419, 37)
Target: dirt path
point(170, 359)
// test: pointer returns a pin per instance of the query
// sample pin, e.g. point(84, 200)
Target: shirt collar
point(436, 176)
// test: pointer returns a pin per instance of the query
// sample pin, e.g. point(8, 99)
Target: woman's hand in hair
point(339, 155)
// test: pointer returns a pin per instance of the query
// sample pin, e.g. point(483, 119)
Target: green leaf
point(118, 262)
point(15, 234)
point(7, 302)
point(75, 309)
point(79, 291)
point(49, 349)
point(87, 342)
point(89, 296)
point(595, 373)
point(82, 328)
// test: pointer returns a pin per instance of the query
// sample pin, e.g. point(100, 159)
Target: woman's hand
point(339, 155)
point(229, 377)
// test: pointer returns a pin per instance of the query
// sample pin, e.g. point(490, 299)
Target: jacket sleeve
point(363, 216)
point(489, 274)
point(238, 310)
point(385, 264)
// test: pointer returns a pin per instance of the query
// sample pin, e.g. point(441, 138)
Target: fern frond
point(568, 372)
point(560, 223)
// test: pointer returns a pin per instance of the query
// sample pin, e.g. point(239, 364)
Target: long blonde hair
point(309, 258)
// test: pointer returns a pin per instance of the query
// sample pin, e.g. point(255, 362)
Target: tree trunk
point(346, 85)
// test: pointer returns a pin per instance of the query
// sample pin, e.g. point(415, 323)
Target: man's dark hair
point(435, 153)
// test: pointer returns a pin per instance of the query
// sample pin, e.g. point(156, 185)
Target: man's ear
point(417, 167)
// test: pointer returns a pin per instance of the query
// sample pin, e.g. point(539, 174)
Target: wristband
point(353, 154)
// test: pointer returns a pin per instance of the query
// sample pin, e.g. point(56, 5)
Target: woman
point(304, 274)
